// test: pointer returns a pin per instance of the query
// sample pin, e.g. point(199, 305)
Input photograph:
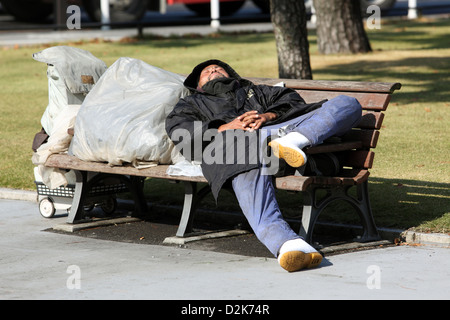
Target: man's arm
point(185, 126)
point(283, 102)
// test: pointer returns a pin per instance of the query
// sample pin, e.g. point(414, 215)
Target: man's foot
point(296, 260)
point(297, 254)
point(293, 155)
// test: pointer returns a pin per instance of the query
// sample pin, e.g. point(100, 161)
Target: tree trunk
point(340, 27)
point(289, 23)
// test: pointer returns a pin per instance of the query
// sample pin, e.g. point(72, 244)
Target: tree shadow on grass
point(412, 34)
point(400, 204)
point(424, 79)
point(410, 203)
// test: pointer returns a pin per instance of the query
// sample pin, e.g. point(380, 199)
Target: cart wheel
point(109, 206)
point(89, 207)
point(47, 208)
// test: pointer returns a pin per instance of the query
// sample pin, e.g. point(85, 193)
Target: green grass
point(409, 185)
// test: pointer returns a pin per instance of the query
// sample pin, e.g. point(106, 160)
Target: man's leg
point(256, 196)
point(334, 118)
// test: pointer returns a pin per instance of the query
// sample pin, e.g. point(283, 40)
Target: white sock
point(295, 245)
point(294, 138)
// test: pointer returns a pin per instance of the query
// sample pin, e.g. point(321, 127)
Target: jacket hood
point(191, 81)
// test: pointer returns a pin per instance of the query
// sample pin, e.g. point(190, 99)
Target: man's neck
point(222, 85)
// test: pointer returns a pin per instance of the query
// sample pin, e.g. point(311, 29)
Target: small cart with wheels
point(71, 73)
point(101, 195)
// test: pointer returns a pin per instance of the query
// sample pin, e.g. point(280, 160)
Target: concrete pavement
point(10, 39)
point(36, 264)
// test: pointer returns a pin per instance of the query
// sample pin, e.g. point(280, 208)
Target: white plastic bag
point(185, 168)
point(122, 119)
point(58, 142)
point(71, 73)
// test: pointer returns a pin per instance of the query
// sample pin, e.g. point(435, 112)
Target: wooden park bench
point(355, 150)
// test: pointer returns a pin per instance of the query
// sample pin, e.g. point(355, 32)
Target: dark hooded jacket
point(193, 123)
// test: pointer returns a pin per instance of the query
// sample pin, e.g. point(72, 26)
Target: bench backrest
point(374, 98)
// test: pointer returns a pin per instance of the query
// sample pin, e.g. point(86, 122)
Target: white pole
point(412, 9)
point(104, 7)
point(313, 14)
point(215, 14)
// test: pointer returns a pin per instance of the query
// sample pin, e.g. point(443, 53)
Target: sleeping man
point(232, 118)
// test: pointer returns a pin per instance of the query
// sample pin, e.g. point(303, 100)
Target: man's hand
point(249, 121)
point(252, 120)
point(235, 124)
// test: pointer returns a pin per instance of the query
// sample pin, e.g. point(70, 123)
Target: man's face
point(211, 72)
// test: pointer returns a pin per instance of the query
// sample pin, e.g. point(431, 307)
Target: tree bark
point(340, 28)
point(289, 23)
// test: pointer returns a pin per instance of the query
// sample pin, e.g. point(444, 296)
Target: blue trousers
point(255, 191)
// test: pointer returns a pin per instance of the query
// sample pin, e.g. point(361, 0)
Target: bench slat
point(371, 120)
point(293, 183)
point(347, 177)
point(324, 85)
point(64, 161)
point(334, 147)
point(361, 159)
point(368, 138)
point(372, 101)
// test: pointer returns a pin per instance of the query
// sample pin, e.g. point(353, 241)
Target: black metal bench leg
point(309, 215)
point(187, 216)
point(76, 212)
point(313, 207)
point(365, 212)
point(192, 198)
point(137, 191)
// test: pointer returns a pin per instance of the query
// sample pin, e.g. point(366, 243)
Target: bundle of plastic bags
point(122, 119)
point(71, 73)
